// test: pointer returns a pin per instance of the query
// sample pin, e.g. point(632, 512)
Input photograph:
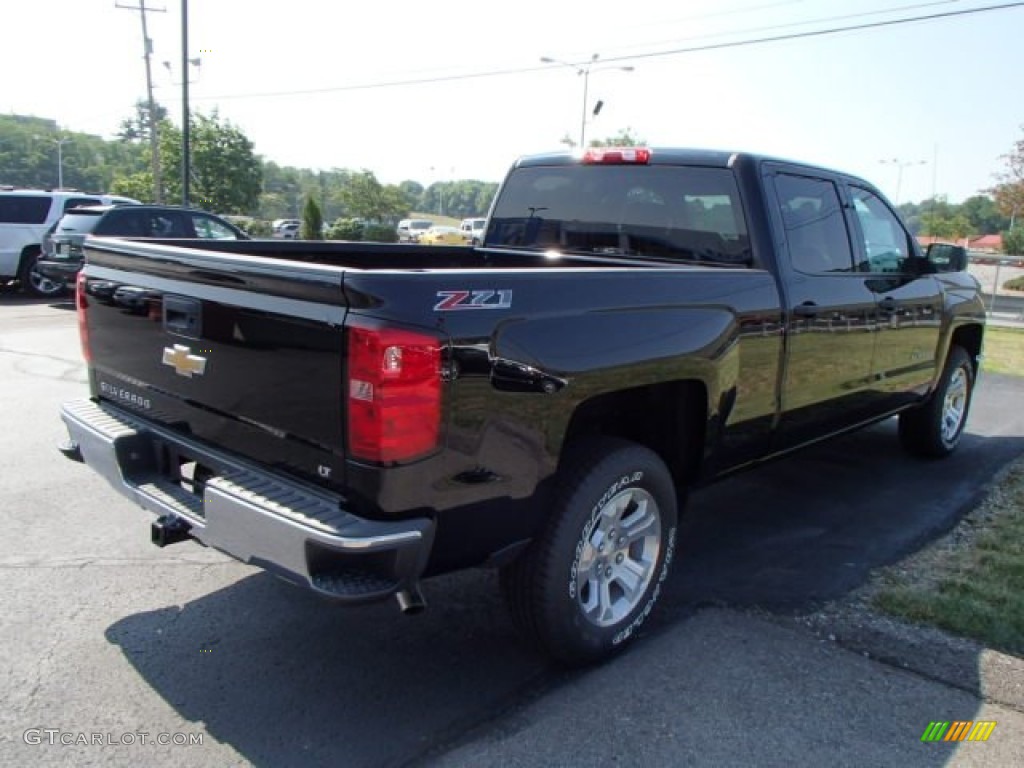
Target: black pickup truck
point(357, 417)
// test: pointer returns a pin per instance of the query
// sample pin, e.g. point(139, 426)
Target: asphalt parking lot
point(104, 634)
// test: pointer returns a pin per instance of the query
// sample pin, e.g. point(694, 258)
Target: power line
point(828, 19)
point(627, 57)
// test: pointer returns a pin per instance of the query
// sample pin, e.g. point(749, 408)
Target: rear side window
point(24, 209)
point(815, 227)
point(682, 213)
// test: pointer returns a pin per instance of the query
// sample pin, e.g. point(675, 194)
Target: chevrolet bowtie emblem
point(184, 363)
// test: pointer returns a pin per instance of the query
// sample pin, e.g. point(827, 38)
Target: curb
point(958, 662)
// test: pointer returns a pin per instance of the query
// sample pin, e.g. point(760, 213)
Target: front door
point(909, 298)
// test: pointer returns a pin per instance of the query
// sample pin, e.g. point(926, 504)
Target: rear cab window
point(672, 212)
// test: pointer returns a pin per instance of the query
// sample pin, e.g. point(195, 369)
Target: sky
point(456, 90)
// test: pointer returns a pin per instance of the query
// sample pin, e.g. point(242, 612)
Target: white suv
point(473, 230)
point(25, 217)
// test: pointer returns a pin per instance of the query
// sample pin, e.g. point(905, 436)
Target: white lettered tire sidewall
point(570, 634)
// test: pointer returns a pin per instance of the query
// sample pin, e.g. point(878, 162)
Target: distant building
point(926, 240)
point(992, 243)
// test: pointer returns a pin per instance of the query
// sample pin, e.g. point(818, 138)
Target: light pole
point(186, 169)
point(900, 165)
point(60, 157)
point(584, 69)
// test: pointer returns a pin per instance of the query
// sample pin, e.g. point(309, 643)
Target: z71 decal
point(453, 300)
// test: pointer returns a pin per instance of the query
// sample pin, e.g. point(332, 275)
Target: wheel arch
point(970, 337)
point(27, 252)
point(670, 418)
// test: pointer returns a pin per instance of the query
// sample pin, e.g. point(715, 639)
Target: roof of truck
point(673, 156)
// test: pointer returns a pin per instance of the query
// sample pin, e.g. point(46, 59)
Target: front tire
point(591, 579)
point(933, 430)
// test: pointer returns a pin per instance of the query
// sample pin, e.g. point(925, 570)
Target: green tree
point(226, 175)
point(347, 229)
point(366, 198)
point(1013, 241)
point(136, 128)
point(35, 152)
point(624, 138)
point(136, 185)
point(1009, 192)
point(950, 226)
point(312, 220)
point(984, 215)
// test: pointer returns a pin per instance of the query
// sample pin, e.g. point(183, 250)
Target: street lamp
point(900, 165)
point(584, 69)
point(60, 156)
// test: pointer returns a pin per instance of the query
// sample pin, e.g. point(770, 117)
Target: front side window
point(886, 244)
point(166, 224)
point(211, 229)
point(679, 213)
point(815, 227)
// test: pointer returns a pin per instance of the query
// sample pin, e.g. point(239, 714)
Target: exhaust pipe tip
point(411, 601)
point(71, 450)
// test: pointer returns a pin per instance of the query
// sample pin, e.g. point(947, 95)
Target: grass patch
point(971, 582)
point(1004, 351)
point(1016, 284)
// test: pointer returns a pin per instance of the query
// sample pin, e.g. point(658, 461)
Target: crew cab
point(358, 417)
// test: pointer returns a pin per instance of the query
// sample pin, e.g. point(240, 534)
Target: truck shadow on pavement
point(286, 678)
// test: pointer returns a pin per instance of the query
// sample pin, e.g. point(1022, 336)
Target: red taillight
point(394, 393)
point(83, 328)
point(617, 156)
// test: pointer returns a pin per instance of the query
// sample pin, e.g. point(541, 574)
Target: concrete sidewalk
point(730, 689)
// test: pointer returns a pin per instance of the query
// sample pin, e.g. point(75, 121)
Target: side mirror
point(947, 258)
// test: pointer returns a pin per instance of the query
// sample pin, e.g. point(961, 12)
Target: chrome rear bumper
point(253, 515)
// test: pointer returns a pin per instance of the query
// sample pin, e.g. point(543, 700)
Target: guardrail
point(995, 259)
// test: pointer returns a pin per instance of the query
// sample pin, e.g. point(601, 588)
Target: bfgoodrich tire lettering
point(592, 578)
point(934, 429)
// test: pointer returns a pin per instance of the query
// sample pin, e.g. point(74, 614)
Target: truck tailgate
point(243, 352)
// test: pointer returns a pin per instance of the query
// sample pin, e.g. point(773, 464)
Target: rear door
point(831, 310)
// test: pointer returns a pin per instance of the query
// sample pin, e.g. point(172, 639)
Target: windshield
point(681, 213)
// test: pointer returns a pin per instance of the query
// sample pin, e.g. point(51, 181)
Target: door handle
point(807, 309)
point(888, 305)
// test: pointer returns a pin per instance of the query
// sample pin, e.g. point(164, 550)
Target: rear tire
point(590, 580)
point(35, 283)
point(933, 430)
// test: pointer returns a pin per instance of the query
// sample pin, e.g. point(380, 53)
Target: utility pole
point(186, 160)
point(154, 138)
point(585, 69)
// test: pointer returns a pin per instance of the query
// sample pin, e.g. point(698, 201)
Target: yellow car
point(442, 236)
